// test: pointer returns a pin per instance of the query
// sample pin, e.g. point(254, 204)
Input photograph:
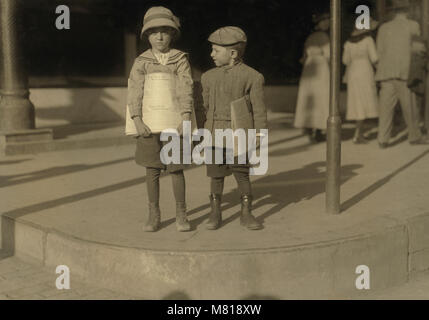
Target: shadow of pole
point(20, 212)
point(7, 181)
point(9, 162)
point(277, 191)
point(377, 185)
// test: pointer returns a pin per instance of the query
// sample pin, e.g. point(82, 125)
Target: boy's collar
point(229, 67)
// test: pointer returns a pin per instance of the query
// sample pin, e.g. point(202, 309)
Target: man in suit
point(394, 51)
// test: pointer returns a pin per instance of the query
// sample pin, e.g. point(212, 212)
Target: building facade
point(80, 75)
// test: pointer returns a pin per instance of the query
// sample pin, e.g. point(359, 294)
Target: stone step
point(305, 271)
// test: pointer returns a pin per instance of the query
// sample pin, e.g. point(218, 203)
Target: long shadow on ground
point(278, 190)
point(377, 185)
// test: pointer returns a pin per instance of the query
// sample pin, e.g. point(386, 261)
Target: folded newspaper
point(160, 105)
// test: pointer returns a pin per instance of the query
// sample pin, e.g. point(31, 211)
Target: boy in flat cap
point(230, 81)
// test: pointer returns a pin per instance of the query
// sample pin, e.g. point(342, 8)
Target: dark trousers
point(243, 184)
point(218, 172)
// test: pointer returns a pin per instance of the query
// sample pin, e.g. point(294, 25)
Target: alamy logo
point(362, 282)
point(63, 280)
point(363, 22)
point(239, 144)
point(63, 20)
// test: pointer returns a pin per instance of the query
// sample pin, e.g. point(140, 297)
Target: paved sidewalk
point(93, 193)
point(416, 289)
point(99, 196)
point(21, 280)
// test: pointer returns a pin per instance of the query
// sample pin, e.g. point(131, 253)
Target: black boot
point(319, 136)
point(154, 219)
point(247, 219)
point(310, 134)
point(215, 217)
point(182, 223)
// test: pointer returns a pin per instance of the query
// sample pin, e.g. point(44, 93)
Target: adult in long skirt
point(359, 55)
point(312, 109)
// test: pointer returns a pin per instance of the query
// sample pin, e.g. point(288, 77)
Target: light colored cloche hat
point(228, 36)
point(160, 17)
point(373, 24)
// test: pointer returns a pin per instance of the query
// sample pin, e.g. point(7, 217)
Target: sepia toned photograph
point(216, 150)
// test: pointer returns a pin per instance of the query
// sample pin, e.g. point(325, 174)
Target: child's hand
point(141, 127)
point(185, 117)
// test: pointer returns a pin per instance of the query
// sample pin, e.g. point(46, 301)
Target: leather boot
point(247, 219)
point(319, 136)
point(154, 220)
point(182, 223)
point(215, 217)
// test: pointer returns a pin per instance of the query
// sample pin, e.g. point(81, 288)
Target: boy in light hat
point(231, 80)
point(160, 28)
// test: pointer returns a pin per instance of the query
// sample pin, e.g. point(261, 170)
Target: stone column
point(17, 116)
point(16, 110)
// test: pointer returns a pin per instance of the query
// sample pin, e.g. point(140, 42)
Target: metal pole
point(425, 18)
point(333, 158)
point(16, 110)
point(381, 10)
point(425, 33)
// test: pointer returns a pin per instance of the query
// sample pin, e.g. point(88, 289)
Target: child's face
point(222, 56)
point(160, 38)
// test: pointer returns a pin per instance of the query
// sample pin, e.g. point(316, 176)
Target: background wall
point(99, 48)
point(63, 106)
point(80, 75)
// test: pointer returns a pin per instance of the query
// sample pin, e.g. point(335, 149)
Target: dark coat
point(223, 85)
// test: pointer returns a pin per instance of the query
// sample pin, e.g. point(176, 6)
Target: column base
point(12, 138)
point(16, 113)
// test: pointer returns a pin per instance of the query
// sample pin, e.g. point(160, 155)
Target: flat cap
point(228, 36)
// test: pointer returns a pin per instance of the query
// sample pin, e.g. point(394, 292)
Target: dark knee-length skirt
point(148, 154)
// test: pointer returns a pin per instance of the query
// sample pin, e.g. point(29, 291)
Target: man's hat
point(228, 36)
point(372, 26)
point(317, 17)
point(397, 4)
point(160, 17)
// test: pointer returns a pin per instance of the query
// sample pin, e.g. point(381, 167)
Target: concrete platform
point(85, 209)
point(70, 137)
